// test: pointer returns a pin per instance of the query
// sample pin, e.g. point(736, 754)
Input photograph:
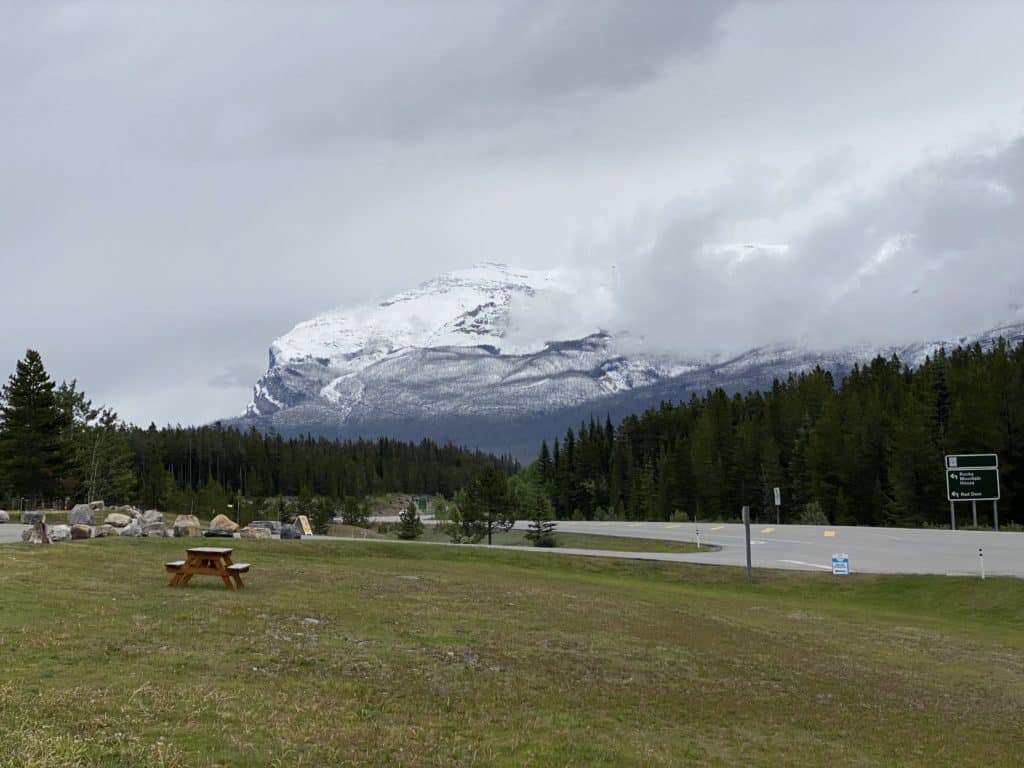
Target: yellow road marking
point(767, 530)
point(718, 527)
point(829, 534)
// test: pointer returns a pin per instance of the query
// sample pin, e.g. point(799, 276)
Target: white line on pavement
point(808, 565)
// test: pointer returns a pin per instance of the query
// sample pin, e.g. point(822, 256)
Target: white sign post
point(778, 506)
point(746, 528)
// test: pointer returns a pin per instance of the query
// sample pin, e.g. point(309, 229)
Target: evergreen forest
point(868, 452)
point(56, 449)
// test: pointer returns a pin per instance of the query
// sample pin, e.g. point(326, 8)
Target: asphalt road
point(803, 547)
point(810, 547)
point(10, 532)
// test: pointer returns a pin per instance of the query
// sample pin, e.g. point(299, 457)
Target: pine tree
point(409, 524)
point(544, 464)
point(34, 451)
point(488, 505)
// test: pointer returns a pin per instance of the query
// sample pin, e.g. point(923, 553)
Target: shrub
point(812, 514)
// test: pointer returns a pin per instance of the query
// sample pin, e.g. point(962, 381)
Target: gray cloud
point(934, 254)
point(182, 182)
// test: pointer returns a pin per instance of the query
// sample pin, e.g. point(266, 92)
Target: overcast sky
point(181, 182)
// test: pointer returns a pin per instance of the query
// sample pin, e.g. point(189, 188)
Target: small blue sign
point(841, 565)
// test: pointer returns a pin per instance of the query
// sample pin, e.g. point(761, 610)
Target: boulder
point(154, 529)
point(32, 517)
point(60, 532)
point(117, 519)
point(223, 523)
point(97, 506)
point(255, 533)
point(132, 529)
point(4, 517)
point(101, 531)
point(37, 534)
point(151, 516)
point(291, 532)
point(79, 531)
point(80, 514)
point(273, 525)
point(187, 525)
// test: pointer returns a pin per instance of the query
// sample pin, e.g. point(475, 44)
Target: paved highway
point(810, 547)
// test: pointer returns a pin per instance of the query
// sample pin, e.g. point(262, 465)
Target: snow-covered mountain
point(459, 358)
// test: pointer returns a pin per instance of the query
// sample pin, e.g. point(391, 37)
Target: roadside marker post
point(747, 532)
point(698, 539)
point(778, 506)
point(981, 560)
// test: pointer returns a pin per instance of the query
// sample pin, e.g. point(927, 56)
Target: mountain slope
point(454, 360)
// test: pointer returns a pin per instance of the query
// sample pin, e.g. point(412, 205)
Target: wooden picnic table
point(207, 561)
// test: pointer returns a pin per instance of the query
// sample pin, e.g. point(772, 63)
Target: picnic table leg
point(175, 579)
point(238, 580)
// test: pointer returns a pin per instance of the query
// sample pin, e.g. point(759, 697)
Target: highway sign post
point(746, 529)
point(841, 564)
point(778, 506)
point(972, 477)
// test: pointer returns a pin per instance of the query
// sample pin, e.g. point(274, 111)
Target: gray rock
point(37, 534)
point(101, 531)
point(79, 531)
point(132, 529)
point(273, 525)
point(32, 517)
point(255, 533)
point(80, 514)
point(117, 519)
point(187, 525)
point(154, 529)
point(97, 506)
point(151, 516)
point(291, 532)
point(60, 532)
point(4, 517)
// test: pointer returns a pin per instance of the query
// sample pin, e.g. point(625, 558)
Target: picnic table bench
point(207, 561)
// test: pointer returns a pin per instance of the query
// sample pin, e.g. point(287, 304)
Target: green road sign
point(972, 461)
point(980, 484)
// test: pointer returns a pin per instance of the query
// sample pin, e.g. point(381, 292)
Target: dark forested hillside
point(868, 452)
point(180, 461)
point(56, 448)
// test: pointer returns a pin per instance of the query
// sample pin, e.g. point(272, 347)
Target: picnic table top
point(208, 551)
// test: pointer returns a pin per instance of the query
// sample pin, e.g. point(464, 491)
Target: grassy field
point(518, 538)
point(345, 653)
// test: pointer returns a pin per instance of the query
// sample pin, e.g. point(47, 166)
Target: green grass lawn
point(345, 653)
point(518, 538)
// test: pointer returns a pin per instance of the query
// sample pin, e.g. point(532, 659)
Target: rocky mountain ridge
point(454, 360)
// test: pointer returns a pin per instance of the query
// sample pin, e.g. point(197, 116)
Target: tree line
point(57, 448)
point(867, 452)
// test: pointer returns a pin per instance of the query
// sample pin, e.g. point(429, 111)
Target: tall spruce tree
point(488, 505)
point(35, 454)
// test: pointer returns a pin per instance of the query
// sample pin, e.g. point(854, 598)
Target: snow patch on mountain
point(476, 347)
